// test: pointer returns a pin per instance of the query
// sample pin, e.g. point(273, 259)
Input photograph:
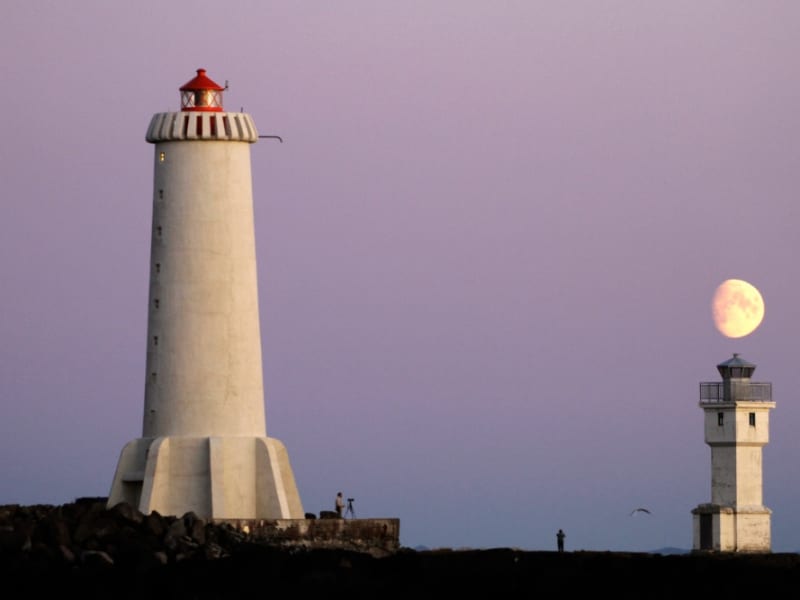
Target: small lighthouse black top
point(201, 94)
point(736, 385)
point(736, 368)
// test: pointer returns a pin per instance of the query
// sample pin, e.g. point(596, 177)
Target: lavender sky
point(487, 249)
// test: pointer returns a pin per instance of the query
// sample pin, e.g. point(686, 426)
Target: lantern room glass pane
point(201, 99)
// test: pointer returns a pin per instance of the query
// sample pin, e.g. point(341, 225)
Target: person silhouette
point(339, 504)
point(560, 537)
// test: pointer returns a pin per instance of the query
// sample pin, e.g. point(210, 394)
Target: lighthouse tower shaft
point(204, 446)
point(736, 423)
point(204, 374)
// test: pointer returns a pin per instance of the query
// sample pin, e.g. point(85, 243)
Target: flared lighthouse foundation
point(204, 446)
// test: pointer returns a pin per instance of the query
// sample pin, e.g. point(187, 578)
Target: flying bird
point(644, 510)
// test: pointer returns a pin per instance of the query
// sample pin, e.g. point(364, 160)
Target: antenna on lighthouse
point(275, 137)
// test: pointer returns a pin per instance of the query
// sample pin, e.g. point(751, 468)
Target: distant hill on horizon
point(664, 550)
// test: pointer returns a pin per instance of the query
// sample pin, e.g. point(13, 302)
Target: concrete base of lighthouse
point(726, 529)
point(214, 477)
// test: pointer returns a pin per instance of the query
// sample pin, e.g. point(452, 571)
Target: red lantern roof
point(201, 82)
point(201, 94)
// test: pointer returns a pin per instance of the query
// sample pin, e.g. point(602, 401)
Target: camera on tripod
point(350, 510)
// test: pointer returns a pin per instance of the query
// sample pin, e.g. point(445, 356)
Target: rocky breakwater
point(87, 548)
point(87, 533)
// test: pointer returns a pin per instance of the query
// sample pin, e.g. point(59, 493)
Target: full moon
point(737, 308)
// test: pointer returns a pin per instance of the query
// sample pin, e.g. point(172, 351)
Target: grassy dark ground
point(257, 571)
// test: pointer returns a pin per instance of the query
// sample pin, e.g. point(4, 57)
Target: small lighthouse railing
point(732, 391)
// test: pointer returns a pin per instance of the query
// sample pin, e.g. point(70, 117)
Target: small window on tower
point(720, 419)
point(162, 156)
point(752, 419)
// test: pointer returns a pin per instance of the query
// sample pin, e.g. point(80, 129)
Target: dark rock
point(154, 524)
point(195, 527)
point(96, 558)
point(126, 512)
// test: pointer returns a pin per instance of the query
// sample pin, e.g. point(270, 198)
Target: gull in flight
point(644, 510)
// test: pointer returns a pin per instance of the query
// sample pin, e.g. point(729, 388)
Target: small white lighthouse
point(736, 414)
point(204, 446)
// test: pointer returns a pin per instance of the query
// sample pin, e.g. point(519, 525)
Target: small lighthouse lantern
point(736, 368)
point(201, 94)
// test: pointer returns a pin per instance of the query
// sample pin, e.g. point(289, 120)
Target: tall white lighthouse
point(736, 414)
point(204, 446)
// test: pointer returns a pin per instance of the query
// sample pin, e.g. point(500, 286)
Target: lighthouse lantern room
point(201, 94)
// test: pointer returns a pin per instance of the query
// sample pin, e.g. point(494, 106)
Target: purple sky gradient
point(487, 249)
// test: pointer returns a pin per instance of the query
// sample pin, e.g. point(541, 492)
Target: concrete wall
point(376, 536)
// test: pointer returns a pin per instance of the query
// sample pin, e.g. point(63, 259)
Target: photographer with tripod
point(339, 507)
